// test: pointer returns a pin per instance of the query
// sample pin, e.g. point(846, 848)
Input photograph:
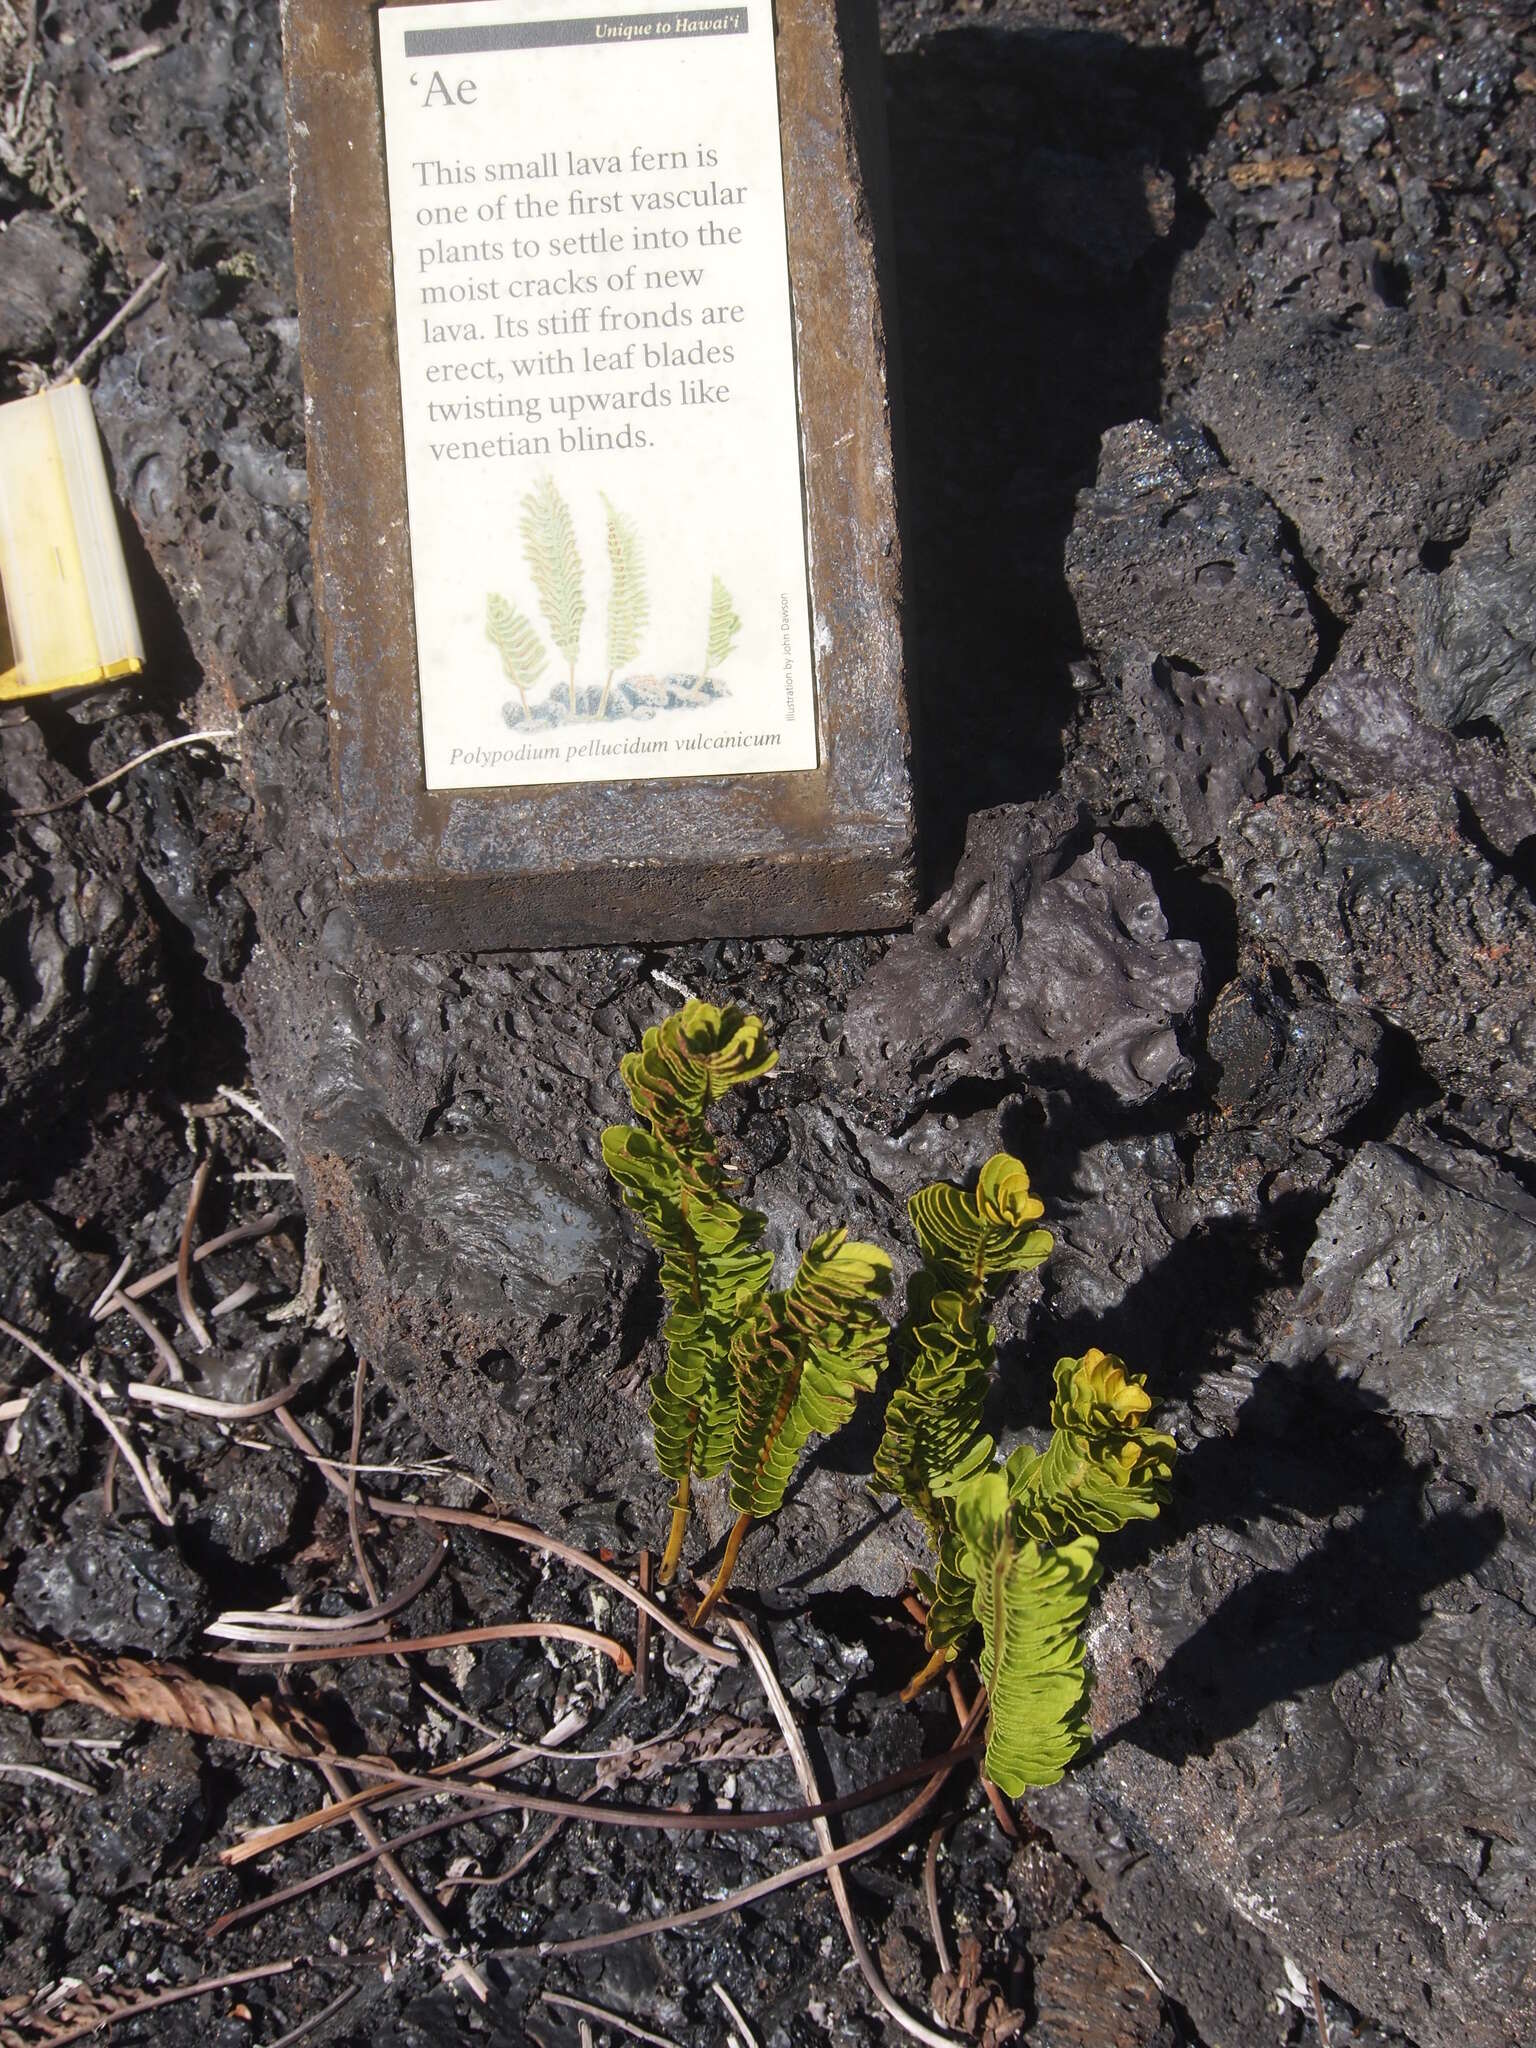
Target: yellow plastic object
point(68, 606)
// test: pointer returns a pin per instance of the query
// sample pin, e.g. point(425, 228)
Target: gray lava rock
point(1309, 1706)
point(81, 960)
point(1360, 729)
point(1179, 751)
point(1477, 649)
point(1400, 915)
point(1169, 550)
point(1289, 1063)
point(113, 1592)
point(250, 1508)
point(1375, 441)
point(1040, 954)
point(45, 275)
point(1421, 1283)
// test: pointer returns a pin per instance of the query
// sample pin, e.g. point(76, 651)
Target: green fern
point(1031, 1600)
point(628, 604)
point(712, 1271)
point(1102, 1468)
point(554, 563)
point(800, 1362)
point(522, 655)
point(972, 1245)
point(723, 626)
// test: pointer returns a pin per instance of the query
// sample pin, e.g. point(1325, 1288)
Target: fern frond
point(981, 1236)
point(688, 1062)
point(628, 604)
point(723, 625)
point(1032, 1602)
point(523, 659)
point(801, 1361)
point(1102, 1467)
point(713, 1269)
point(554, 563)
point(933, 1420)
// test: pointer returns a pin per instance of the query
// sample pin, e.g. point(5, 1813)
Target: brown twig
point(609, 2019)
point(738, 2017)
point(670, 1819)
point(126, 311)
point(184, 1301)
point(241, 1233)
point(204, 1404)
point(963, 1714)
point(450, 1639)
point(354, 1527)
point(409, 1896)
point(642, 1627)
point(241, 1624)
point(100, 2022)
point(805, 1771)
point(317, 2020)
point(164, 1349)
point(931, 1895)
point(135, 1463)
point(797, 1873)
point(514, 1532)
point(185, 739)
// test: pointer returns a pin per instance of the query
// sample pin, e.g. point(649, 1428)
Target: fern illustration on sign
point(522, 652)
point(554, 563)
point(723, 626)
point(628, 604)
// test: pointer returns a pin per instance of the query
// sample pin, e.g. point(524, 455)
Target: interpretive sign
point(592, 302)
point(600, 452)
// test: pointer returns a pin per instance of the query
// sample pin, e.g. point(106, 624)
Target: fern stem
point(926, 1676)
point(602, 702)
point(733, 1544)
point(675, 1535)
point(573, 686)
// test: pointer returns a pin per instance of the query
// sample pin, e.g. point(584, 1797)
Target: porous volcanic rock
point(1399, 914)
point(1421, 1283)
point(1171, 551)
point(1477, 647)
point(1049, 948)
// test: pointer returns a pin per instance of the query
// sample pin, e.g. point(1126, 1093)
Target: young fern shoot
point(713, 1271)
point(800, 1360)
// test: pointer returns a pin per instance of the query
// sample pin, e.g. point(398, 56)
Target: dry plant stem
point(130, 305)
point(805, 1771)
point(318, 2019)
point(733, 1544)
point(642, 1627)
point(535, 1539)
point(354, 1527)
point(242, 1233)
point(185, 739)
point(609, 2019)
point(495, 1632)
point(143, 2005)
point(409, 1895)
point(995, 1799)
point(49, 1777)
point(239, 1624)
point(939, 1769)
point(164, 1350)
point(797, 1873)
point(738, 2017)
point(135, 1463)
point(931, 1894)
point(99, 1305)
point(184, 1301)
point(204, 1404)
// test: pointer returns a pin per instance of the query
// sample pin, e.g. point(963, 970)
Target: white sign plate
point(597, 383)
